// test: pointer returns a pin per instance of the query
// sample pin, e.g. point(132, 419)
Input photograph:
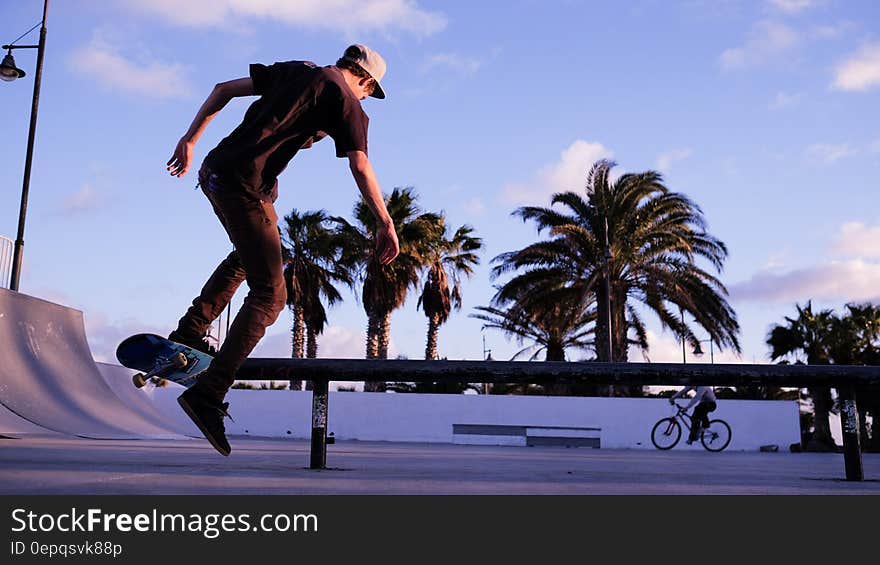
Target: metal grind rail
point(844, 378)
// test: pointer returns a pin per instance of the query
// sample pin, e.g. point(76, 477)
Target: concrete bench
point(525, 435)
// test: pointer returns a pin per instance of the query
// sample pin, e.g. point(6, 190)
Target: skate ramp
point(154, 404)
point(12, 426)
point(49, 378)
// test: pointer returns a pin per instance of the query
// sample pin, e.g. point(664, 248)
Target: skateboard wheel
point(180, 360)
point(138, 380)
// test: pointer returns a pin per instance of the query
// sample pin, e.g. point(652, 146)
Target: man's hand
point(179, 162)
point(387, 246)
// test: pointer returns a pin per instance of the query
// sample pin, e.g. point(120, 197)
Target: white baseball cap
point(369, 61)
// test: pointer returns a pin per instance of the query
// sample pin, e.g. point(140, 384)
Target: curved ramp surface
point(144, 401)
point(14, 426)
point(48, 376)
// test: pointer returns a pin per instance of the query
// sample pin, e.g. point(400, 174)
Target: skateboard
point(160, 358)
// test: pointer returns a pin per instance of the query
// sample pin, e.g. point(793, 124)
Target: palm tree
point(448, 259)
point(854, 341)
point(386, 286)
point(809, 334)
point(855, 336)
point(312, 269)
point(563, 323)
point(655, 238)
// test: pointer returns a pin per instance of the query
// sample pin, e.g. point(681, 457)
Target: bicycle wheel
point(666, 433)
point(717, 436)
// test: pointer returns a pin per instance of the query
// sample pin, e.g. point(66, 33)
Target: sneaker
point(690, 441)
point(207, 413)
point(198, 343)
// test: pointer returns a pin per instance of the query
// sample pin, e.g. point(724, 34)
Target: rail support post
point(849, 424)
point(320, 397)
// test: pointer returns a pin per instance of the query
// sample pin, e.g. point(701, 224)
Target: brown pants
point(252, 227)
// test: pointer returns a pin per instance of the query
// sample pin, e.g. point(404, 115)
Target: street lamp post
point(699, 350)
point(9, 72)
point(487, 356)
point(606, 274)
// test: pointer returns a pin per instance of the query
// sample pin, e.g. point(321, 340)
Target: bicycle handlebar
point(681, 409)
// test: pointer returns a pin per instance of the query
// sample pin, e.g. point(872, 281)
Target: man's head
point(366, 67)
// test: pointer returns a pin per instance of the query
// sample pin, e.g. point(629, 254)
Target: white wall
point(625, 422)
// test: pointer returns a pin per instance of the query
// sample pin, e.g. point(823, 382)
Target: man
point(704, 398)
point(299, 104)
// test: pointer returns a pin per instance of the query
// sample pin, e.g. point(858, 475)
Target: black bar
point(849, 424)
point(546, 372)
point(320, 404)
point(842, 377)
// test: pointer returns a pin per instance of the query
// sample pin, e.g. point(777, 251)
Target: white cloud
point(665, 161)
point(346, 16)
point(460, 64)
point(777, 260)
point(666, 348)
point(104, 336)
point(85, 199)
point(766, 41)
point(475, 206)
point(830, 153)
point(337, 342)
point(852, 272)
point(569, 173)
point(832, 31)
point(853, 280)
point(105, 62)
point(785, 100)
point(857, 240)
point(860, 72)
point(793, 6)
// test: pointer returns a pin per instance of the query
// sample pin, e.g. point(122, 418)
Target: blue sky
point(762, 111)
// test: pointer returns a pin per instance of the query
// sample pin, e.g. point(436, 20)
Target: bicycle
point(666, 433)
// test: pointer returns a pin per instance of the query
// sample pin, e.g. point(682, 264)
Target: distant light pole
point(699, 350)
point(487, 356)
point(683, 356)
point(9, 72)
point(606, 274)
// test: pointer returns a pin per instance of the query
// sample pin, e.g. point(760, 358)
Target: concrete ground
point(56, 465)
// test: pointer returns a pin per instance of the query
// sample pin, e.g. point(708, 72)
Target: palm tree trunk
point(619, 347)
point(298, 333)
point(372, 337)
point(601, 336)
point(822, 439)
point(431, 346)
point(311, 342)
point(383, 332)
point(297, 341)
point(311, 348)
point(373, 350)
point(555, 352)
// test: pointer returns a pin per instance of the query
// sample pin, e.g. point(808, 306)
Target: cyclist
point(704, 398)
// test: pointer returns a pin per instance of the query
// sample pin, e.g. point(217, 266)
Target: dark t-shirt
point(300, 103)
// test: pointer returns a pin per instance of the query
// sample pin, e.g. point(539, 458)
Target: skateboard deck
point(158, 357)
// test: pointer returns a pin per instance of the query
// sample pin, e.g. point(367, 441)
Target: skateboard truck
point(178, 361)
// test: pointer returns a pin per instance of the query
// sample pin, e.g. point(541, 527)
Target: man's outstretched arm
point(387, 246)
point(223, 92)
